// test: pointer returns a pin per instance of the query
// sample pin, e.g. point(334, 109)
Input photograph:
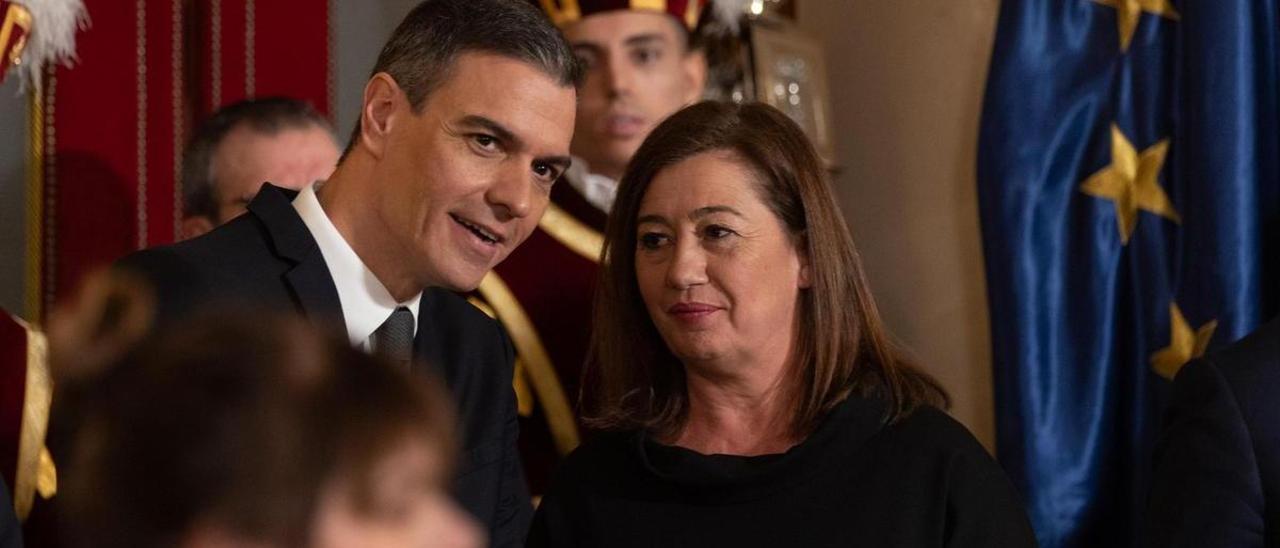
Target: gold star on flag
point(1128, 12)
point(1184, 344)
point(1130, 181)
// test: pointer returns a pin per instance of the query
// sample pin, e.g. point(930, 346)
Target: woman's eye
point(717, 232)
point(651, 240)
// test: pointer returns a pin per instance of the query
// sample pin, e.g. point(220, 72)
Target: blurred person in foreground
point(464, 126)
point(273, 139)
point(1217, 460)
point(748, 393)
point(244, 429)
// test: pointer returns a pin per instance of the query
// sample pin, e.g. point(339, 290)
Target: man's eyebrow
point(512, 142)
point(644, 39)
point(631, 41)
point(498, 130)
point(591, 47)
point(708, 210)
point(560, 162)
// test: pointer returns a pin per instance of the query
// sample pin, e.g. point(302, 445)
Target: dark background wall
point(907, 78)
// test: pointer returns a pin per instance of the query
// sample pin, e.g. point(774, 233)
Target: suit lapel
point(313, 287)
point(309, 278)
point(426, 344)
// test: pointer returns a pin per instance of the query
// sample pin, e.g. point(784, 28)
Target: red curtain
point(108, 132)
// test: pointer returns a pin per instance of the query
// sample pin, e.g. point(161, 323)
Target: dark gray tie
point(394, 338)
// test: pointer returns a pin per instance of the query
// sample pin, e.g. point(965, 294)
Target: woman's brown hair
point(633, 380)
point(232, 421)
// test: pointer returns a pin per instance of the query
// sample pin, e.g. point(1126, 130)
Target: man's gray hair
point(421, 52)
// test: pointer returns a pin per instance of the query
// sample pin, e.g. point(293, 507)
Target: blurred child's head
point(243, 428)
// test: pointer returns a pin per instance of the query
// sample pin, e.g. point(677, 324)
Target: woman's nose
point(688, 265)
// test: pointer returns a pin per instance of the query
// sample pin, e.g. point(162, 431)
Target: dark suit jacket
point(267, 257)
point(1217, 462)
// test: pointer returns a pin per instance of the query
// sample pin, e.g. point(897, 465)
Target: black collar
point(309, 279)
point(289, 235)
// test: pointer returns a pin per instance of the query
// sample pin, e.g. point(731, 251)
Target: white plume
point(53, 36)
point(730, 12)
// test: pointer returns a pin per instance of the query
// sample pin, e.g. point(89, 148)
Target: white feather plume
point(730, 12)
point(53, 36)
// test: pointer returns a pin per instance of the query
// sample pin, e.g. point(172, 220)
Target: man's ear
point(695, 70)
point(194, 226)
point(381, 95)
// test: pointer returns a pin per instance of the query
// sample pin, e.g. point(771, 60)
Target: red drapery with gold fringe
point(108, 132)
point(107, 136)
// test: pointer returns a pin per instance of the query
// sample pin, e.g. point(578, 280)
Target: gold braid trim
point(566, 12)
point(691, 13)
point(574, 234)
point(655, 5)
point(564, 430)
point(15, 16)
point(35, 466)
point(35, 203)
point(519, 381)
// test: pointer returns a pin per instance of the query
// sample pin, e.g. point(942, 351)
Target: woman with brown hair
point(242, 428)
point(745, 388)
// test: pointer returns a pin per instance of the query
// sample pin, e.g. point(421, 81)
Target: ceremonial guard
point(641, 66)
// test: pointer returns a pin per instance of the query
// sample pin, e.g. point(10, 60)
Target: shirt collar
point(599, 190)
point(366, 303)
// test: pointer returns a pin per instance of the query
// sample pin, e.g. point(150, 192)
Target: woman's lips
point(692, 311)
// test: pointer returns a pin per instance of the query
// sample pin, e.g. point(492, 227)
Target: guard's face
point(638, 72)
point(464, 181)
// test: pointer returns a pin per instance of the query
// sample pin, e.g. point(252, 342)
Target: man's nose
point(512, 192)
point(619, 74)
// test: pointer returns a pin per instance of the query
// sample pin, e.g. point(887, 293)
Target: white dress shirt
point(366, 303)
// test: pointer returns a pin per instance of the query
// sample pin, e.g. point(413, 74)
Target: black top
point(924, 481)
point(268, 258)
point(1217, 461)
point(10, 531)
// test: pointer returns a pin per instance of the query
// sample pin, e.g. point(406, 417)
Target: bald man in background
point(276, 139)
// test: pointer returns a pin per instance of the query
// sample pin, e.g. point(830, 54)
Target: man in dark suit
point(1217, 462)
point(465, 125)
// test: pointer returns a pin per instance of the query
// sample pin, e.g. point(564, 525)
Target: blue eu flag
point(1129, 186)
